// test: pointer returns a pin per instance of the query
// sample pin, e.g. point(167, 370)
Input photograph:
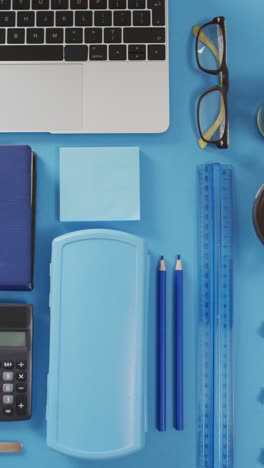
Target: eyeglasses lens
point(212, 116)
point(210, 47)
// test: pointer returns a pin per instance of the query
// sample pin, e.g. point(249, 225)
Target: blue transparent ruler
point(215, 319)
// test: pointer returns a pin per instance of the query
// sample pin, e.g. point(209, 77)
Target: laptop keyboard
point(81, 30)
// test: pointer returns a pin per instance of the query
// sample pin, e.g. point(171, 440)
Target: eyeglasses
point(212, 113)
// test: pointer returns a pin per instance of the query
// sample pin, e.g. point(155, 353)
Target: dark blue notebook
point(17, 217)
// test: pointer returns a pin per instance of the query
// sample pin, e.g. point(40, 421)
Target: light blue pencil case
point(96, 403)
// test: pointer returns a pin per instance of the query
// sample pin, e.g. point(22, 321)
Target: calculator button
point(8, 410)
point(8, 364)
point(8, 387)
point(21, 376)
point(8, 376)
point(21, 364)
point(21, 388)
point(8, 399)
point(21, 405)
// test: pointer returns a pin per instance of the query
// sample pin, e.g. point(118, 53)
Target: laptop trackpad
point(41, 98)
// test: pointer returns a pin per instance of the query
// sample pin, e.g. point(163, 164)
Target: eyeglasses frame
point(222, 70)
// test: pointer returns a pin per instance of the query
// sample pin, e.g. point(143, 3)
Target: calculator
point(16, 321)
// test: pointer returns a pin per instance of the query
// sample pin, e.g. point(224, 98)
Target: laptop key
point(35, 36)
point(137, 52)
point(45, 18)
point(76, 53)
point(98, 4)
point(113, 35)
point(122, 18)
point(16, 36)
point(117, 52)
point(59, 4)
point(79, 4)
point(137, 56)
point(158, 13)
point(21, 4)
point(141, 18)
point(22, 53)
point(93, 35)
point(54, 35)
point(155, 3)
point(5, 4)
point(83, 18)
point(2, 36)
point(25, 18)
point(64, 18)
point(117, 4)
point(103, 18)
point(136, 4)
point(74, 35)
point(144, 35)
point(98, 52)
point(7, 19)
point(156, 52)
point(40, 4)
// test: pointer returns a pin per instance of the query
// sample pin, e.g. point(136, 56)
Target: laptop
point(84, 66)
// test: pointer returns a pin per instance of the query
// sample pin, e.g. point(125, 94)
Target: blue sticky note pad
point(99, 184)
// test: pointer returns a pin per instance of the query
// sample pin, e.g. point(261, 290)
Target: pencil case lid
point(96, 406)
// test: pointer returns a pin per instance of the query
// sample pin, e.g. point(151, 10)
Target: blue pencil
point(179, 343)
point(162, 347)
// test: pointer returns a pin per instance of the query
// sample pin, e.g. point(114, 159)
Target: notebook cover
point(17, 215)
point(96, 402)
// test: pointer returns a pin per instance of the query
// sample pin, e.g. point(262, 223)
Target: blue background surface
point(168, 201)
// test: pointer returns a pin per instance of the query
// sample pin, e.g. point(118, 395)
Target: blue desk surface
point(168, 194)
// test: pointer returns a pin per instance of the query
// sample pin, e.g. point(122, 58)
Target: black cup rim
point(259, 197)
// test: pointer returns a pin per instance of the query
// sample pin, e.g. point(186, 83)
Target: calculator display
point(12, 338)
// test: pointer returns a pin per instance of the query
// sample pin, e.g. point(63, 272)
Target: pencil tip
point(162, 258)
point(179, 257)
